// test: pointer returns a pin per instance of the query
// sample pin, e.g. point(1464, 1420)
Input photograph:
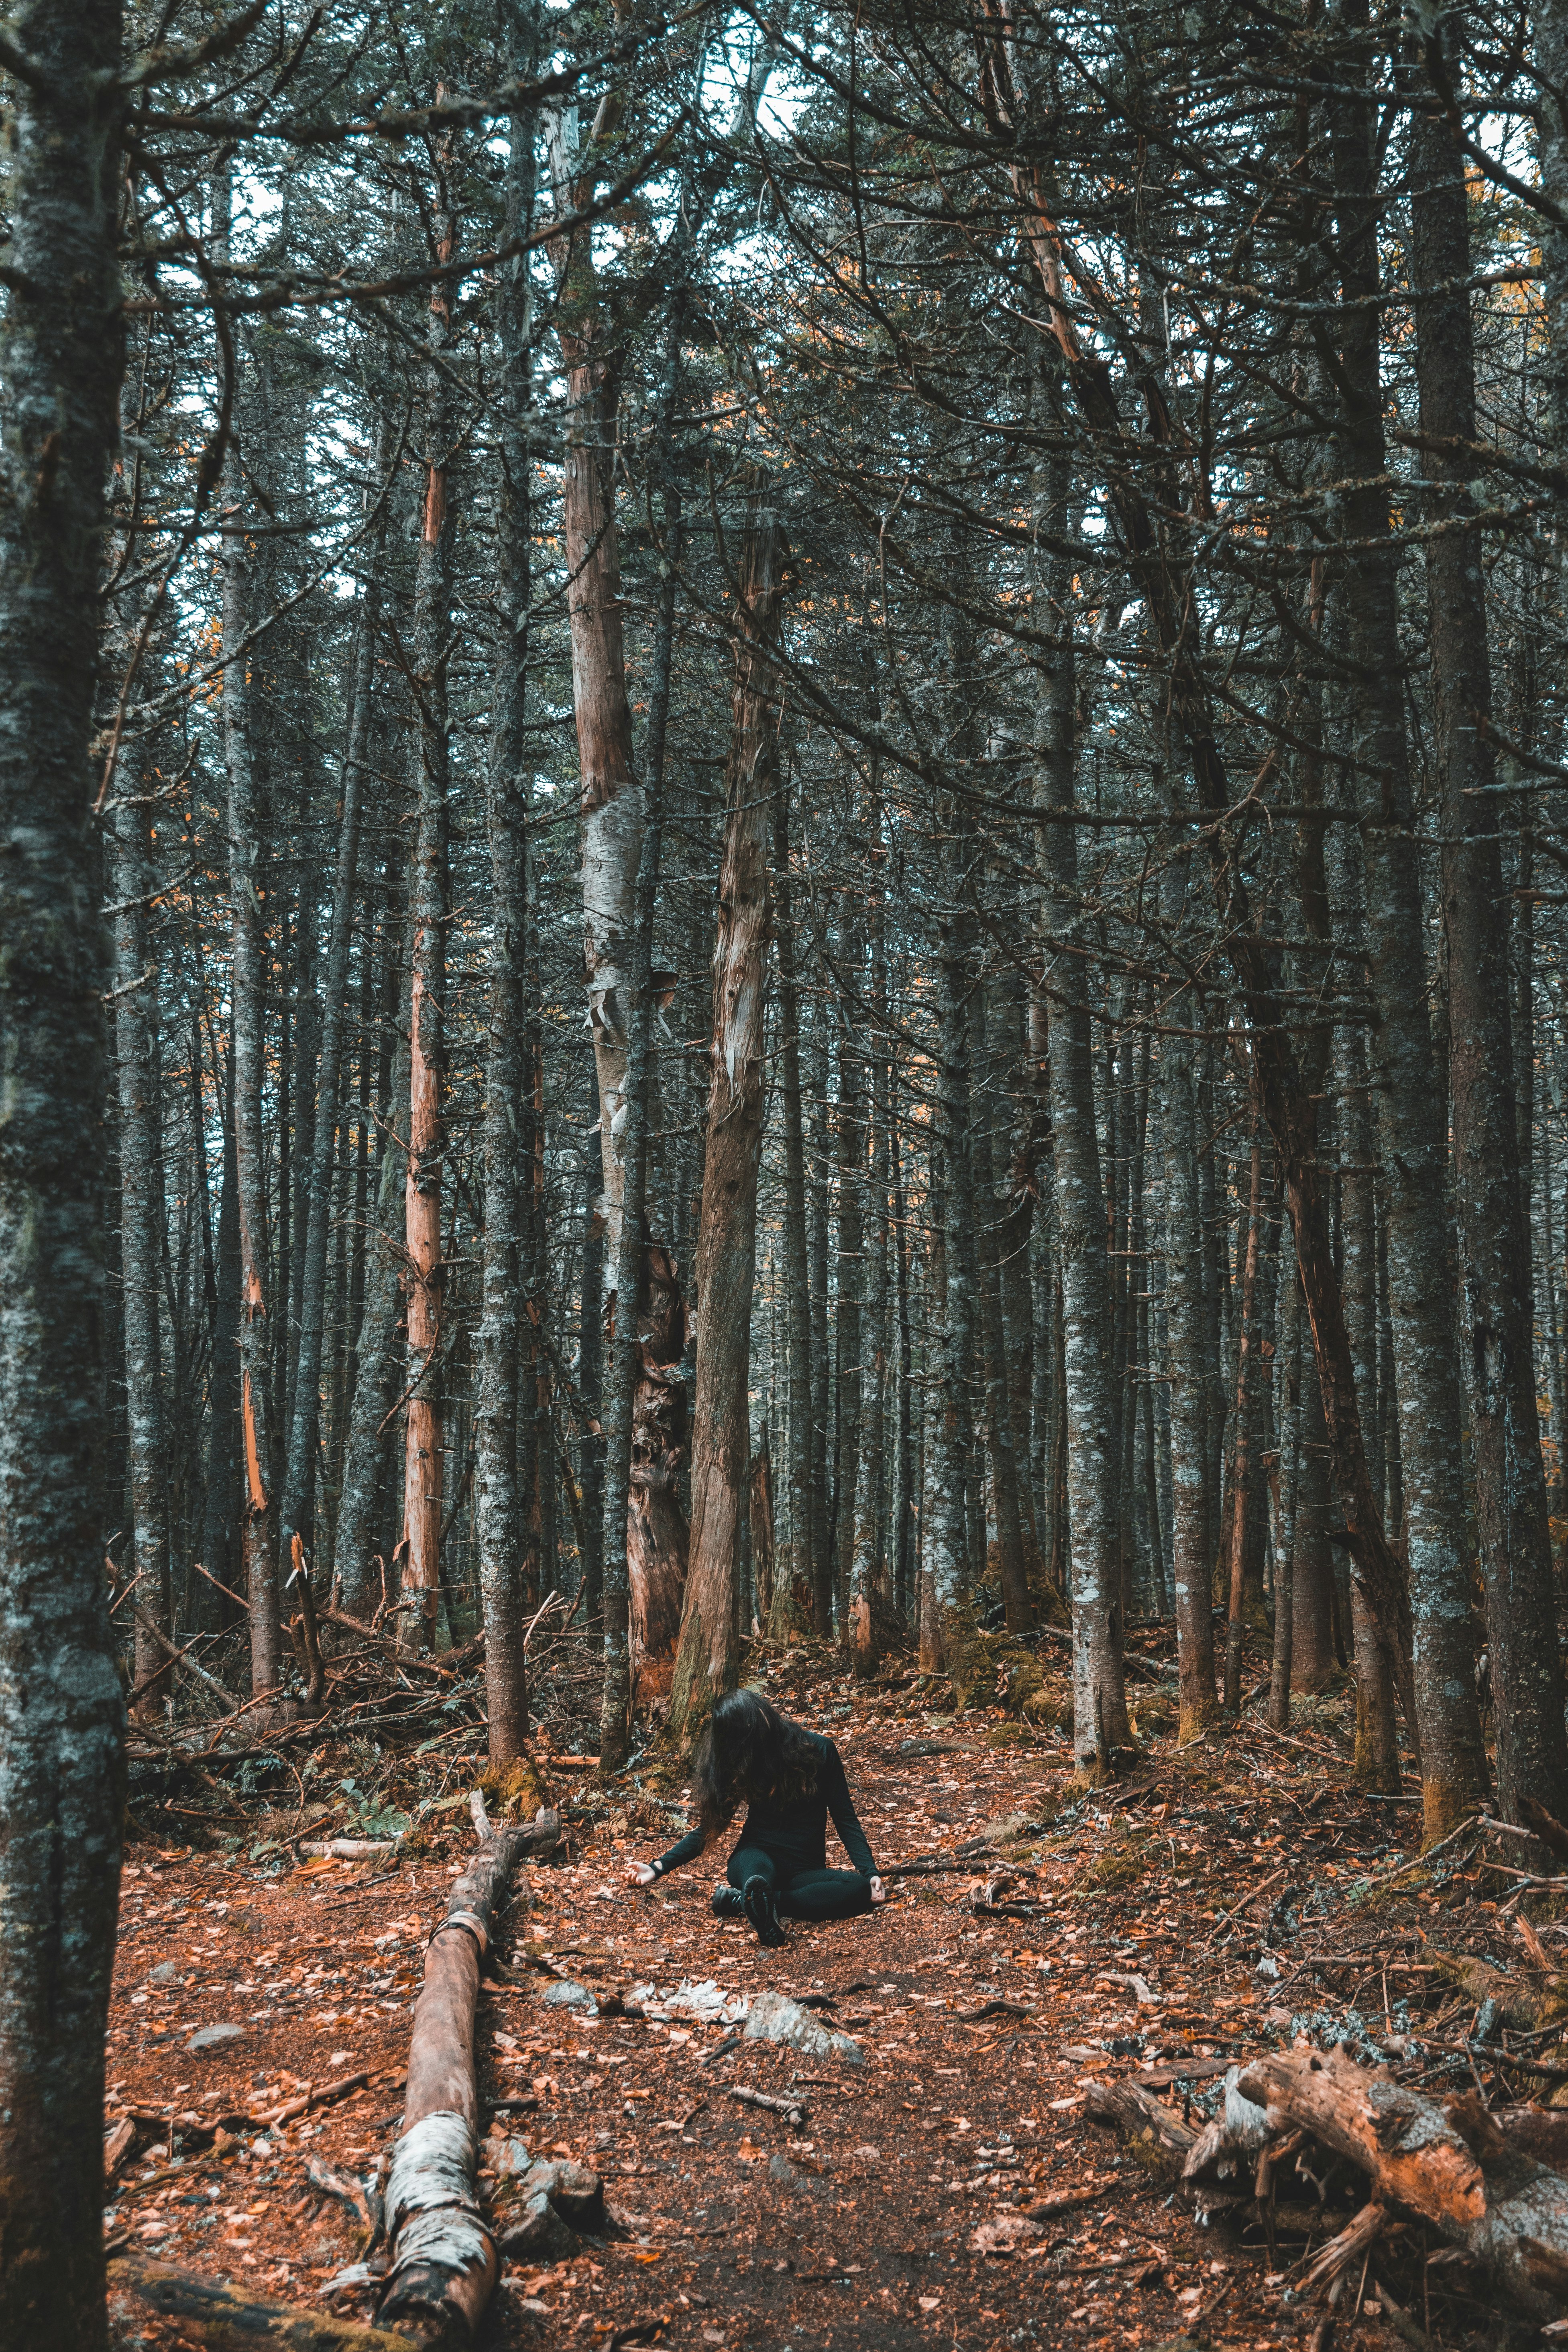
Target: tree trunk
point(249, 986)
point(1289, 1425)
point(1015, 1577)
point(61, 1714)
point(497, 1515)
point(223, 1510)
point(611, 806)
point(645, 1422)
point(590, 1384)
point(377, 1358)
point(130, 877)
point(795, 1582)
point(905, 1488)
point(424, 1458)
point(851, 1263)
point(1184, 1310)
point(869, 1599)
point(1241, 1476)
point(1100, 1726)
point(708, 1660)
point(1494, 1249)
point(946, 1581)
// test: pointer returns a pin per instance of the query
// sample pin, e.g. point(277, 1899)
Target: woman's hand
point(878, 1892)
point(640, 1873)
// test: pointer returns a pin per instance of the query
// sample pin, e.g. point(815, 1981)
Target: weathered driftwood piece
point(442, 2266)
point(1452, 2166)
point(226, 2319)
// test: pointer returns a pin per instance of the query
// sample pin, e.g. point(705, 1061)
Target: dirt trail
point(1132, 1948)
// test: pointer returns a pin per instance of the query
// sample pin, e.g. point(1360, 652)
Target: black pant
point(804, 1893)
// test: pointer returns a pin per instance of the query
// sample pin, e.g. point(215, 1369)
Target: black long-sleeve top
point(794, 1830)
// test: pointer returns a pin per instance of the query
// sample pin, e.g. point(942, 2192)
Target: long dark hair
point(748, 1750)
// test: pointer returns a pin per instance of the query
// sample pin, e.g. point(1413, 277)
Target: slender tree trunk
point(1494, 1248)
point(611, 807)
point(646, 1395)
point(851, 1264)
point(379, 1358)
point(222, 1516)
point(795, 1582)
point(429, 884)
point(130, 877)
point(1101, 1725)
point(497, 1515)
point(590, 1384)
point(1184, 1312)
point(707, 1659)
point(905, 1482)
point(248, 985)
point(1245, 1387)
point(61, 1713)
point(1290, 1353)
point(1014, 1575)
point(1312, 1642)
point(869, 1599)
point(945, 1580)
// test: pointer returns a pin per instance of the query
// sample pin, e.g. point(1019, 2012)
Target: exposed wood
point(1450, 2167)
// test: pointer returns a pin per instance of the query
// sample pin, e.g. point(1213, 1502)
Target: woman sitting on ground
point(792, 1780)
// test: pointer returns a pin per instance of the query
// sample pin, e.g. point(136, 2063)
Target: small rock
point(782, 2171)
point(540, 2233)
point(1003, 2234)
point(164, 1973)
point(927, 1747)
point(213, 2037)
point(565, 1994)
point(509, 2155)
point(775, 2018)
point(577, 2194)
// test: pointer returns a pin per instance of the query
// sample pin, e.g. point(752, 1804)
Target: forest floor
point(1217, 1902)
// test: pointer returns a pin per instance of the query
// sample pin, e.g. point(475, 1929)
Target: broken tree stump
point(1451, 2166)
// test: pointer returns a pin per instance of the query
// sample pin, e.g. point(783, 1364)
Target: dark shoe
point(762, 1911)
point(729, 1903)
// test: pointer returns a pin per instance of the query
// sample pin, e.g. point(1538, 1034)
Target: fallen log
point(1451, 2166)
point(442, 2261)
point(226, 2319)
